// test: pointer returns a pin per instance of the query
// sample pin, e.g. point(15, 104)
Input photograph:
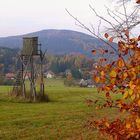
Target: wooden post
point(42, 81)
point(22, 80)
point(33, 89)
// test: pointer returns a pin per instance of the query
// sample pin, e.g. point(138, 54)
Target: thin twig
point(88, 29)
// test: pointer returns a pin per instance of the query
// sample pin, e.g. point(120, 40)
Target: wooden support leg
point(23, 90)
point(32, 91)
point(42, 89)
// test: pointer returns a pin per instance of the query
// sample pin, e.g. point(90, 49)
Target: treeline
point(8, 58)
point(76, 64)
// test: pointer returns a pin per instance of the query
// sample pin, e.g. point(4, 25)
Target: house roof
point(49, 72)
point(10, 75)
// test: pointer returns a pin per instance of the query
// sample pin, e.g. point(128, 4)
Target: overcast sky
point(24, 16)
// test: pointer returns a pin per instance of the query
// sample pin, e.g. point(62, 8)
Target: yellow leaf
point(138, 120)
point(113, 73)
point(130, 92)
point(125, 95)
point(112, 80)
point(133, 97)
point(125, 75)
point(138, 96)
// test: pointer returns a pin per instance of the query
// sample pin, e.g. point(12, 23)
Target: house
point(86, 83)
point(10, 76)
point(49, 74)
point(83, 83)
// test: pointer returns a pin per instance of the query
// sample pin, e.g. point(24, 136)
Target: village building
point(10, 76)
point(49, 75)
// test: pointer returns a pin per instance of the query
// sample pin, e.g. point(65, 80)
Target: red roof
point(10, 75)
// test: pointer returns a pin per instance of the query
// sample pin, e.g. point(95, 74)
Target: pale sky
point(24, 16)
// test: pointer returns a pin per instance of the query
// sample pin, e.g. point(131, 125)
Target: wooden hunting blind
point(28, 65)
point(30, 45)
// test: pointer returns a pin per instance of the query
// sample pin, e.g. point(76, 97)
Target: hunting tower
point(27, 69)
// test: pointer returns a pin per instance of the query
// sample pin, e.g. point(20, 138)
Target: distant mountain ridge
point(57, 41)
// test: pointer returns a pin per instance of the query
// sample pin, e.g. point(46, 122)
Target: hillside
point(57, 41)
point(8, 57)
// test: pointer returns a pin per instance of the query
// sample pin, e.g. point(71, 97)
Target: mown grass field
point(63, 118)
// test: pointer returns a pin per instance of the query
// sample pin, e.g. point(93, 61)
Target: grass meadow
point(63, 118)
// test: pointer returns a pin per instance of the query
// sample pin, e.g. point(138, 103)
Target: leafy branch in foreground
point(122, 76)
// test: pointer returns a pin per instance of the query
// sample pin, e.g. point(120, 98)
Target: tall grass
point(63, 118)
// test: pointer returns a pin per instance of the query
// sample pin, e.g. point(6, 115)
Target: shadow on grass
point(13, 98)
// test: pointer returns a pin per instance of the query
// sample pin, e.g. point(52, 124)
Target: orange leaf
point(107, 88)
point(131, 85)
point(106, 124)
point(128, 125)
point(97, 79)
point(102, 73)
point(106, 35)
point(138, 102)
point(120, 63)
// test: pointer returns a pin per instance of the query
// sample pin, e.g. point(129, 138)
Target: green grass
point(63, 118)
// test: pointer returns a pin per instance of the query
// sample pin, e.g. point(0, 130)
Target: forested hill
point(57, 41)
point(8, 57)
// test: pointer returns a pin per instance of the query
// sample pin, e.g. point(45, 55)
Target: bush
point(70, 83)
point(1, 80)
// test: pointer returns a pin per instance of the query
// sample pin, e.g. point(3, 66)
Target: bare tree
point(120, 21)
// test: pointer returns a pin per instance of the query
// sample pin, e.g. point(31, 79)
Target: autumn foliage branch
point(120, 76)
